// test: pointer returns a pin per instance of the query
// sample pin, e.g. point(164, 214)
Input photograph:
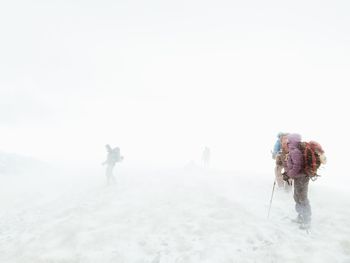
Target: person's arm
point(106, 161)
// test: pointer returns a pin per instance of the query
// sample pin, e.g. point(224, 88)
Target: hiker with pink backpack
point(302, 163)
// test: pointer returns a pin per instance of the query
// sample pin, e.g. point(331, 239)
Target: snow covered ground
point(179, 215)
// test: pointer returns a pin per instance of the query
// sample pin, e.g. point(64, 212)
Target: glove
point(285, 176)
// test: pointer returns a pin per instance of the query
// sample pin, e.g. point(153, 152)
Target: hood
point(293, 140)
point(281, 134)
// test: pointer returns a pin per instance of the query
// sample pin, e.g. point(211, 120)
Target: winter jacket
point(281, 160)
point(295, 157)
point(278, 145)
point(276, 148)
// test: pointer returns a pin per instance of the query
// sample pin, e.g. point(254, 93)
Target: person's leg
point(279, 176)
point(302, 205)
point(278, 171)
point(109, 173)
point(288, 186)
point(113, 180)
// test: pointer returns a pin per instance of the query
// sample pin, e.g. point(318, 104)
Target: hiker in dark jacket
point(301, 180)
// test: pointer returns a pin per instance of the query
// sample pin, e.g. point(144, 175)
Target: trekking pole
point(273, 189)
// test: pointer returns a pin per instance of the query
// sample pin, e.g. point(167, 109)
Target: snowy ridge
point(173, 216)
point(14, 164)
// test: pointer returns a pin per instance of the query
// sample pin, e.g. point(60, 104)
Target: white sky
point(163, 79)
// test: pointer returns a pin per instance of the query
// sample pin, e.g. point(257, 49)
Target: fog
point(163, 80)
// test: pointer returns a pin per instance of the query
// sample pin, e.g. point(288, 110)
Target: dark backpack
point(311, 152)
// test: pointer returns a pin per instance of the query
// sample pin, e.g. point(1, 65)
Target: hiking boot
point(305, 226)
point(298, 220)
point(306, 223)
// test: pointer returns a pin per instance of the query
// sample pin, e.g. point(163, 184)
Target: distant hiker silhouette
point(113, 156)
point(206, 157)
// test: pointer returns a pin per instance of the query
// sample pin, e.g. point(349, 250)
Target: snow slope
point(14, 164)
point(167, 216)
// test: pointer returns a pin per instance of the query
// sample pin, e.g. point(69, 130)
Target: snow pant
point(109, 174)
point(205, 162)
point(302, 205)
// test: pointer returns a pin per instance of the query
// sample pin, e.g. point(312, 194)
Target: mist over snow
point(163, 80)
point(14, 165)
point(179, 215)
